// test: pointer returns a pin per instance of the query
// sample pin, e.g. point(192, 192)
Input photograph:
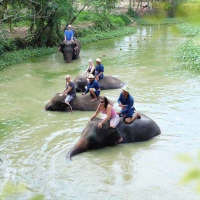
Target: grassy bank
point(23, 55)
point(188, 54)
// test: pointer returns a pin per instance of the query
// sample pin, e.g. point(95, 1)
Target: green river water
point(34, 143)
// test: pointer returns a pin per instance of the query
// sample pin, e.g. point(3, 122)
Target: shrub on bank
point(10, 58)
point(107, 35)
point(152, 21)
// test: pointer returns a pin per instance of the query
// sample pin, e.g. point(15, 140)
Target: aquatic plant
point(188, 54)
point(188, 29)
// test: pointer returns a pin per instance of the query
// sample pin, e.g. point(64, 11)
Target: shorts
point(114, 121)
point(97, 93)
point(130, 113)
point(68, 98)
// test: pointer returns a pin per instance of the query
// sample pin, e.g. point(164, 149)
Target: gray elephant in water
point(108, 82)
point(70, 50)
point(82, 103)
point(93, 138)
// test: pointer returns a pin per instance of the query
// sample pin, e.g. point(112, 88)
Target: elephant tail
point(79, 147)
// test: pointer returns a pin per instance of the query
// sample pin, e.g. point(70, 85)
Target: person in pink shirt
point(106, 108)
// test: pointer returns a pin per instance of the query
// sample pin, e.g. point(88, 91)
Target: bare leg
point(120, 139)
point(131, 119)
point(93, 95)
point(69, 106)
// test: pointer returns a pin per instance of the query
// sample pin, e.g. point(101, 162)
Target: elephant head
point(94, 138)
point(70, 50)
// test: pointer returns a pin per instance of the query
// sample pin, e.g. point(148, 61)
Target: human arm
point(108, 109)
point(96, 113)
point(93, 69)
point(72, 35)
point(67, 90)
point(100, 70)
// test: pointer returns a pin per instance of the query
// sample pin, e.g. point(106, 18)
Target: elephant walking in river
point(70, 50)
point(93, 138)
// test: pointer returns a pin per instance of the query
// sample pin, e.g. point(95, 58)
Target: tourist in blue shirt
point(92, 87)
point(99, 69)
point(126, 103)
point(69, 34)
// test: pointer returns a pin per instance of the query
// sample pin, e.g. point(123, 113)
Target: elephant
point(108, 82)
point(81, 103)
point(93, 138)
point(70, 50)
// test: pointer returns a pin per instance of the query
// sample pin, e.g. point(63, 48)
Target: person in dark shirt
point(92, 87)
point(99, 69)
point(126, 102)
point(70, 91)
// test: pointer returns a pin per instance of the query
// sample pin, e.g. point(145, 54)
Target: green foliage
point(188, 54)
point(151, 21)
point(106, 35)
point(125, 19)
point(188, 29)
point(22, 55)
point(132, 13)
point(193, 173)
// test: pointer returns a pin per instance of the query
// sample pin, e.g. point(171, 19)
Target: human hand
point(120, 105)
point(60, 95)
point(99, 125)
point(118, 113)
point(83, 93)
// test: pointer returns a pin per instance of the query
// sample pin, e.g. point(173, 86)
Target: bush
point(126, 19)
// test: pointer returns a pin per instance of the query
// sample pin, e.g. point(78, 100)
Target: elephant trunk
point(81, 146)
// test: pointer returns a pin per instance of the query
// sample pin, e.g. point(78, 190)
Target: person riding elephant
point(126, 102)
point(90, 69)
point(106, 108)
point(99, 69)
point(92, 87)
point(69, 92)
point(94, 138)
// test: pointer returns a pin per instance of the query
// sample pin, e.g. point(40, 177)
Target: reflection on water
point(34, 142)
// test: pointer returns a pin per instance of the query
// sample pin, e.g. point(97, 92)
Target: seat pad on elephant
point(108, 82)
point(80, 102)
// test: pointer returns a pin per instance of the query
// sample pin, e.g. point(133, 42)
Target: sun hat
point(69, 26)
point(90, 60)
point(126, 89)
point(91, 76)
point(98, 59)
point(67, 76)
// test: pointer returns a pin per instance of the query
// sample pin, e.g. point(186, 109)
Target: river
point(34, 143)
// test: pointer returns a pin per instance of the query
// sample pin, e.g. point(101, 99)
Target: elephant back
point(139, 130)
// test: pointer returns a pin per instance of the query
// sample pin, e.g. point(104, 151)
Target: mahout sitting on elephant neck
point(93, 138)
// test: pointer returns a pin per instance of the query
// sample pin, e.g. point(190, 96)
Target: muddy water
point(33, 142)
